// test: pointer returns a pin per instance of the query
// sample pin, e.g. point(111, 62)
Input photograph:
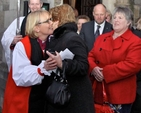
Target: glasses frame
point(47, 21)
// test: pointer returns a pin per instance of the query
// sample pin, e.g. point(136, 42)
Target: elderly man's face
point(99, 13)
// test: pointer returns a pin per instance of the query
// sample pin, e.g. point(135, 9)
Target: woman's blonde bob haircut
point(63, 13)
point(33, 20)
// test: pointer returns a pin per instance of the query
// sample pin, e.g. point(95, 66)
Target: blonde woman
point(26, 84)
point(108, 16)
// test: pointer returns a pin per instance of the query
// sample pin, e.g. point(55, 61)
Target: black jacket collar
point(65, 28)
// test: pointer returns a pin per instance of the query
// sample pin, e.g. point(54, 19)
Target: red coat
point(16, 98)
point(120, 60)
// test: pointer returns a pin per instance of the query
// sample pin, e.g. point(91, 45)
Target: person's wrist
point(12, 46)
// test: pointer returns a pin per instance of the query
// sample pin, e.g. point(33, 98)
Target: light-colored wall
point(109, 4)
point(134, 5)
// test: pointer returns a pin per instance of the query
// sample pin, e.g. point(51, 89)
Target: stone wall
point(4, 7)
point(133, 4)
point(3, 78)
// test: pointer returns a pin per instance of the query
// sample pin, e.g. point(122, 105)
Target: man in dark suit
point(88, 31)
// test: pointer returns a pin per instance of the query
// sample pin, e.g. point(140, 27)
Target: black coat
point(76, 70)
point(87, 32)
point(138, 33)
point(136, 105)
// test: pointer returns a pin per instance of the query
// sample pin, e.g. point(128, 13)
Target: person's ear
point(36, 29)
point(41, 4)
point(129, 23)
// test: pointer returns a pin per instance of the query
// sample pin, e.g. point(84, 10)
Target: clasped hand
point(16, 39)
point(53, 61)
point(97, 73)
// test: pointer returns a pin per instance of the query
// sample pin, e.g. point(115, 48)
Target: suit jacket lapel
point(92, 30)
point(107, 27)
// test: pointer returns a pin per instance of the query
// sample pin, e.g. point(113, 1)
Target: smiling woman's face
point(120, 23)
point(45, 25)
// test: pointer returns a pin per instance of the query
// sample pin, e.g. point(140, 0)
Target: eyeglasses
point(47, 21)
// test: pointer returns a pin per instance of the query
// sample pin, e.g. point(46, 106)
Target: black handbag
point(58, 93)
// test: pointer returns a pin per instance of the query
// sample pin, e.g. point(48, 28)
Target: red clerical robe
point(16, 98)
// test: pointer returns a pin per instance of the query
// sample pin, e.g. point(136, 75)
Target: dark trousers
point(136, 107)
point(126, 108)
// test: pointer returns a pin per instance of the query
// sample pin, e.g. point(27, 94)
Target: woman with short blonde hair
point(26, 81)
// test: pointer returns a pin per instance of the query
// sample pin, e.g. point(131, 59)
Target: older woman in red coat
point(114, 60)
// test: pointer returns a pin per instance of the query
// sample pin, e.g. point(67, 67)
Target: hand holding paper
point(66, 54)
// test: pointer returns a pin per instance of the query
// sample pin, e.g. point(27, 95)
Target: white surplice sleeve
point(7, 39)
point(24, 73)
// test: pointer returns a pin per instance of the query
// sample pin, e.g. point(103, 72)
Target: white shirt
point(101, 27)
point(7, 39)
point(23, 72)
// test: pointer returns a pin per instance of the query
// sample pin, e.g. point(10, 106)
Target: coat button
point(100, 49)
point(97, 62)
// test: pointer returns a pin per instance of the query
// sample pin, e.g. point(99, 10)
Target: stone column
point(122, 3)
point(109, 4)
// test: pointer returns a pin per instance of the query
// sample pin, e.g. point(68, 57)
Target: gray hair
point(127, 12)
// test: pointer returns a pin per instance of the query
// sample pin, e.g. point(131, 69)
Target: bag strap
point(105, 98)
point(64, 70)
